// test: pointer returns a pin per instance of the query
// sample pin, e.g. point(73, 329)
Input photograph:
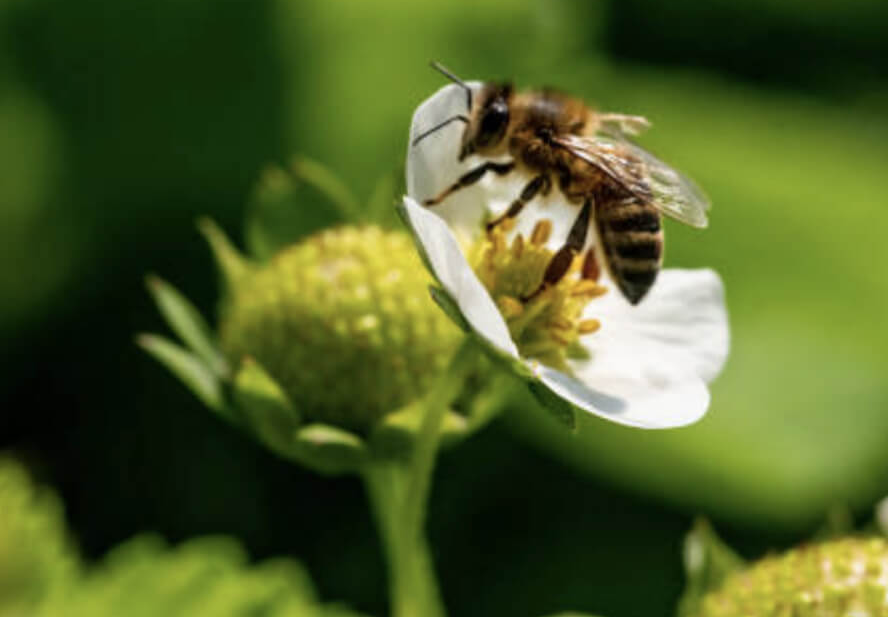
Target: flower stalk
point(413, 589)
point(399, 490)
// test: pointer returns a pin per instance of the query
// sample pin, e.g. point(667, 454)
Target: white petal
point(671, 402)
point(452, 270)
point(681, 327)
point(433, 165)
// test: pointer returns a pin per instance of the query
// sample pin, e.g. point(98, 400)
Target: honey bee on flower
point(570, 335)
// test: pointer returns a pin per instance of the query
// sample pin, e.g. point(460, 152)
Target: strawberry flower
point(579, 344)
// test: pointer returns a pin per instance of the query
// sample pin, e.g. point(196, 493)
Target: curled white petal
point(677, 400)
point(449, 266)
point(433, 165)
point(680, 327)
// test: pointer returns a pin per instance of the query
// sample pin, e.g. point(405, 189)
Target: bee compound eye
point(495, 118)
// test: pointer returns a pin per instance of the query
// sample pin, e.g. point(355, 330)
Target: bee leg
point(562, 259)
point(537, 184)
point(471, 177)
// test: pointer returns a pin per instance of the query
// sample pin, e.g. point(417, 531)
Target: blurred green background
point(121, 122)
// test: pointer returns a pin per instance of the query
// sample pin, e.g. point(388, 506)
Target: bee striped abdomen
point(632, 243)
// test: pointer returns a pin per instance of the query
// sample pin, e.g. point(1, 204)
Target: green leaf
point(36, 554)
point(561, 410)
point(188, 368)
point(328, 449)
point(443, 299)
point(708, 562)
point(283, 209)
point(393, 436)
point(209, 577)
point(188, 323)
point(264, 406)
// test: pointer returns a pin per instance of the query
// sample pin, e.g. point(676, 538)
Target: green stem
point(445, 389)
point(398, 491)
point(413, 588)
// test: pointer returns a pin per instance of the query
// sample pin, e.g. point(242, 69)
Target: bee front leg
point(539, 183)
point(471, 177)
point(562, 259)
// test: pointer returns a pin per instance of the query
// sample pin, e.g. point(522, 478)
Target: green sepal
point(189, 369)
point(328, 184)
point(561, 410)
point(231, 263)
point(708, 561)
point(187, 322)
point(393, 435)
point(282, 210)
point(328, 449)
point(264, 407)
point(384, 196)
point(447, 304)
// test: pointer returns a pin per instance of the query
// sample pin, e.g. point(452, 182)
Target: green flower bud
point(327, 345)
point(838, 578)
point(342, 321)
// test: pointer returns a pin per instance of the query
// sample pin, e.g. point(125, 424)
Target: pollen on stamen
point(588, 288)
point(518, 246)
point(541, 232)
point(550, 325)
point(562, 323)
point(588, 326)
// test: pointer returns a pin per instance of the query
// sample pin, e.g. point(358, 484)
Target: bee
point(557, 140)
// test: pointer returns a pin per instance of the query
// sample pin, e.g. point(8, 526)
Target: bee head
point(488, 124)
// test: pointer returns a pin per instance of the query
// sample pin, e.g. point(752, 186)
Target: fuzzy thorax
point(841, 578)
point(548, 326)
point(344, 322)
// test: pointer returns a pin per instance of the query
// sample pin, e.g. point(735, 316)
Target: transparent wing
point(620, 125)
point(642, 174)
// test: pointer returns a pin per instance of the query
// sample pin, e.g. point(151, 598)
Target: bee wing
point(620, 125)
point(644, 175)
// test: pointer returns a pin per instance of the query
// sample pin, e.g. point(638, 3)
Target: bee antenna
point(440, 125)
point(449, 75)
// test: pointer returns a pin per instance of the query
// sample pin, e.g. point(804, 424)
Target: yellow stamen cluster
point(840, 578)
point(546, 326)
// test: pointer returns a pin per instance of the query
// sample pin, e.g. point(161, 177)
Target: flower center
point(546, 326)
